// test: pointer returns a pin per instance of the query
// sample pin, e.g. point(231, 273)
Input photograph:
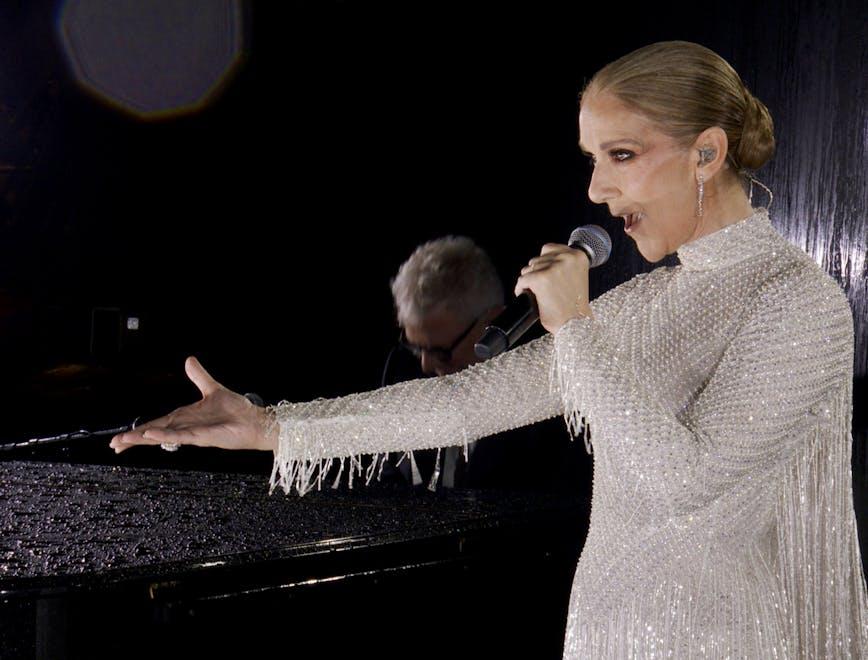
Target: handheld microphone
point(522, 312)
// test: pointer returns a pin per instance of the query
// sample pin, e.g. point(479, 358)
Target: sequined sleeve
point(506, 392)
point(789, 363)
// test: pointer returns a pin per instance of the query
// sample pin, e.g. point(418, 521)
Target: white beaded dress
point(718, 394)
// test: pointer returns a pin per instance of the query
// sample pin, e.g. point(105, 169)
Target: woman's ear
point(710, 149)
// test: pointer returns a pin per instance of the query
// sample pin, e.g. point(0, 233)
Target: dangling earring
point(706, 155)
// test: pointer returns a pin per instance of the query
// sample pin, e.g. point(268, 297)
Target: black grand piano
point(102, 561)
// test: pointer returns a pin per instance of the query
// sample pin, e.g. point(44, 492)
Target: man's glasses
point(438, 353)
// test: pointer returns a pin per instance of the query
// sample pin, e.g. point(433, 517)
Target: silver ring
point(170, 446)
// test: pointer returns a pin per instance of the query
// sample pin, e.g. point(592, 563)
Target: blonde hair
point(686, 88)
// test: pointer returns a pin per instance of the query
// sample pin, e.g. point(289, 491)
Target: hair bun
point(757, 142)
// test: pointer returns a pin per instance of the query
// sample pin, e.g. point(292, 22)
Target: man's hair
point(447, 273)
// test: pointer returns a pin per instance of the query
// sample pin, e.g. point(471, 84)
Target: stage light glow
point(153, 59)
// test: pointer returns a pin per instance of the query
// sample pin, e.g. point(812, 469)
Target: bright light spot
point(153, 59)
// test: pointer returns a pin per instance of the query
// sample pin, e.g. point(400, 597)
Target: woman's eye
point(621, 155)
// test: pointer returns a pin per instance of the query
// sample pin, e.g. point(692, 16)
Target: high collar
point(728, 246)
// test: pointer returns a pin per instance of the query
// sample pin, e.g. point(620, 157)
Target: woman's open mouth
point(631, 220)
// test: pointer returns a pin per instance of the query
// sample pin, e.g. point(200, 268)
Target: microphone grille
point(595, 241)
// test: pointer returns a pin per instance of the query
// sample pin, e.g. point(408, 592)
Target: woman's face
point(643, 175)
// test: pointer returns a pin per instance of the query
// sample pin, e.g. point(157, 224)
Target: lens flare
point(152, 59)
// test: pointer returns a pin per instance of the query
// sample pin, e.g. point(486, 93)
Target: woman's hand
point(221, 419)
point(559, 280)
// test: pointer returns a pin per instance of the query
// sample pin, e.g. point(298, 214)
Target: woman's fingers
point(124, 441)
point(195, 435)
point(221, 419)
point(135, 434)
point(554, 248)
point(558, 278)
point(180, 417)
point(525, 283)
point(156, 435)
point(537, 263)
point(201, 378)
point(184, 416)
point(550, 254)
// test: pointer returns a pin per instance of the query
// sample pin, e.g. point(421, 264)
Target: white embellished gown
point(718, 394)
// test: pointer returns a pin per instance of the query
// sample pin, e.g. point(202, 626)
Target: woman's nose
point(601, 189)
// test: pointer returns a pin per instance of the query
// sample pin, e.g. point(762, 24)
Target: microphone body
point(522, 312)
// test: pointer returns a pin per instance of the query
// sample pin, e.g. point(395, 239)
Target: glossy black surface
point(68, 525)
point(100, 560)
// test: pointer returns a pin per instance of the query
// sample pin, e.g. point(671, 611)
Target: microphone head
point(595, 241)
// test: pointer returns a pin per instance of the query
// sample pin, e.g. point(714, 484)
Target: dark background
point(261, 232)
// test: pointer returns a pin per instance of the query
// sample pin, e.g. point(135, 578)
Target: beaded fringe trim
point(296, 468)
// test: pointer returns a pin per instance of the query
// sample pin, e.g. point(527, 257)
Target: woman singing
point(719, 392)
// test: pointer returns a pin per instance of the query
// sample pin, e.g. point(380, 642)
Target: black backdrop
point(260, 233)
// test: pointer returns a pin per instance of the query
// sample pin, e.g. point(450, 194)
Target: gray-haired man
point(445, 294)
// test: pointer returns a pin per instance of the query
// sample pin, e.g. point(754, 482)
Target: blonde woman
point(718, 391)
